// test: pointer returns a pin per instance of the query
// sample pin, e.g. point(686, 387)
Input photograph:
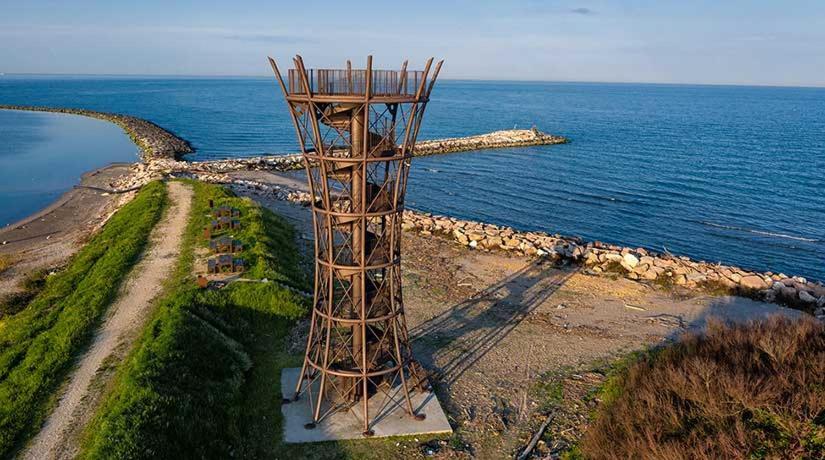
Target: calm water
point(732, 174)
point(43, 155)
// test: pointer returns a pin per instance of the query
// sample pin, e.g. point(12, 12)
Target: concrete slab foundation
point(392, 419)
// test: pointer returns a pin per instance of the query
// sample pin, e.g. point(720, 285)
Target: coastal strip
point(154, 141)
point(598, 258)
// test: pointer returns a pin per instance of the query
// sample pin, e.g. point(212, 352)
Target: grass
point(735, 391)
point(207, 366)
point(39, 344)
point(32, 285)
point(6, 262)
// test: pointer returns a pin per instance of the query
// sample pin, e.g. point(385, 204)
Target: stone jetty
point(215, 171)
point(154, 142)
point(493, 140)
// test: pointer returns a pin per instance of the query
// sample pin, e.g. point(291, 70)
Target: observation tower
point(357, 130)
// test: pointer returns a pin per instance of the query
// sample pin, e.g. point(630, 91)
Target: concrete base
point(391, 421)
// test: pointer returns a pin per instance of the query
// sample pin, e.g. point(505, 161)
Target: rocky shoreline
point(155, 142)
point(599, 258)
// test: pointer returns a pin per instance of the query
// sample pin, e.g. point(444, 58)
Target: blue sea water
point(42, 155)
point(720, 173)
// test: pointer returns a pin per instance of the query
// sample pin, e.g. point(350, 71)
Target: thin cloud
point(266, 38)
point(583, 11)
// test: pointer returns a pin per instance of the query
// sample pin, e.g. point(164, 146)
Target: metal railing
point(336, 82)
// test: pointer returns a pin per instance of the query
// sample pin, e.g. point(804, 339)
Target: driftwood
point(535, 439)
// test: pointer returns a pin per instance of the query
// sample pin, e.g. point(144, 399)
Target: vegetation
point(192, 385)
point(741, 391)
point(38, 344)
point(5, 262)
point(31, 285)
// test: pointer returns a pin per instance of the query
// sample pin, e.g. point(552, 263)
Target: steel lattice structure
point(357, 129)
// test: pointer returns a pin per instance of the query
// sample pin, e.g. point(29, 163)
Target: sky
point(753, 42)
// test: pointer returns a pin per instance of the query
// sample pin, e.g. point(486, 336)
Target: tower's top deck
point(356, 85)
point(353, 82)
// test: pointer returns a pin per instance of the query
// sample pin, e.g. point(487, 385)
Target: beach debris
point(536, 437)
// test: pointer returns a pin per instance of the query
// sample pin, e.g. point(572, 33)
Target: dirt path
point(125, 318)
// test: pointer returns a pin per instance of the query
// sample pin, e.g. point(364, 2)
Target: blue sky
point(716, 42)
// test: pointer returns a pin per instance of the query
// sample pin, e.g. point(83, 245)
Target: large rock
point(806, 297)
point(630, 260)
point(491, 242)
point(753, 282)
point(474, 236)
point(613, 257)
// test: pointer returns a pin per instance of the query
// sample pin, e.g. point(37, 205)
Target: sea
point(43, 155)
point(730, 174)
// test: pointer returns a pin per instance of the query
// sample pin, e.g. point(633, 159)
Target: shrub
point(38, 344)
point(734, 391)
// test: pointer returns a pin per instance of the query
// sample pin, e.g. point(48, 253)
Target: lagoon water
point(42, 155)
point(730, 174)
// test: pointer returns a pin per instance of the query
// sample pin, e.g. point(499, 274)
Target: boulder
point(753, 282)
point(777, 286)
point(613, 257)
point(491, 242)
point(650, 275)
point(666, 263)
point(475, 236)
point(806, 297)
point(788, 292)
point(511, 242)
point(630, 260)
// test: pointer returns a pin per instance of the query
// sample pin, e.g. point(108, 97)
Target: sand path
point(125, 319)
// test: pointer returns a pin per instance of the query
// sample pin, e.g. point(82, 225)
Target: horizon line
point(470, 79)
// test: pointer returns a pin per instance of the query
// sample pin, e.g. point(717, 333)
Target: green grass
point(208, 364)
point(39, 344)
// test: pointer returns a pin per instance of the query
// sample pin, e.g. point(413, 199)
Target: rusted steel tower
point(357, 130)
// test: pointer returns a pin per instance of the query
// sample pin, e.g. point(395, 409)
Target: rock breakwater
point(215, 171)
point(597, 258)
point(493, 140)
point(633, 263)
point(154, 142)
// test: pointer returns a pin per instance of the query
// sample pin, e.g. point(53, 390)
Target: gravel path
point(126, 317)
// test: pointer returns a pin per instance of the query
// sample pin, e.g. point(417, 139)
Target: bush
point(38, 344)
point(182, 390)
point(736, 391)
